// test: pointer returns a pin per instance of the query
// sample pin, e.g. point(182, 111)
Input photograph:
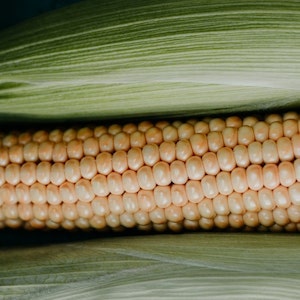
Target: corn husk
point(188, 266)
point(112, 59)
point(99, 60)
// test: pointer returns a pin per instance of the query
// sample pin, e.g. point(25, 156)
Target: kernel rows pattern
point(200, 174)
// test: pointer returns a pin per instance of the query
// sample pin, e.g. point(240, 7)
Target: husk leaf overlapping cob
point(104, 59)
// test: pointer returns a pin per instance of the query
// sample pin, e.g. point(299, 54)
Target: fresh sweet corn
point(214, 173)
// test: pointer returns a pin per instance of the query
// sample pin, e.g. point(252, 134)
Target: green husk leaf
point(110, 59)
point(190, 266)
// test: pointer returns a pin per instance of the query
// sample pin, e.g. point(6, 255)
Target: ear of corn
point(206, 174)
point(107, 59)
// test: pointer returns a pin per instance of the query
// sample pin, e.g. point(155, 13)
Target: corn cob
point(200, 174)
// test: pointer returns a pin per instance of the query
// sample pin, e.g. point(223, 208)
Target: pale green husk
point(191, 266)
point(104, 59)
point(121, 58)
